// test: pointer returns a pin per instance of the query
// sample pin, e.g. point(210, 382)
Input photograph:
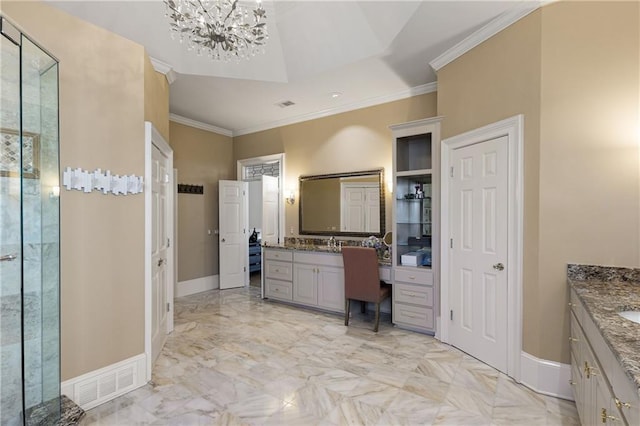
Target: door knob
point(223, 240)
point(160, 262)
point(498, 267)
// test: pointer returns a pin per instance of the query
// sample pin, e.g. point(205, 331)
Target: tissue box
point(413, 258)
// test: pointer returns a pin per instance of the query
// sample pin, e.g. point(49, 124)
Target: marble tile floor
point(236, 359)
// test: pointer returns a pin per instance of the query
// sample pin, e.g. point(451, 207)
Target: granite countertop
point(318, 248)
point(605, 291)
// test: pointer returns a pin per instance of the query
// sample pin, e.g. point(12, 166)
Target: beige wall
point(202, 158)
point(589, 168)
point(156, 98)
point(351, 141)
point(572, 70)
point(499, 79)
point(102, 240)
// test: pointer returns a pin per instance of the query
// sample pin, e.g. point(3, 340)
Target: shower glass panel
point(29, 233)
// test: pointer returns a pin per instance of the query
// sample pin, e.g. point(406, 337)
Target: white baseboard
point(99, 386)
point(546, 377)
point(197, 285)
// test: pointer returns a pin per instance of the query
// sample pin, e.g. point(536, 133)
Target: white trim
point(200, 125)
point(512, 128)
point(164, 68)
point(102, 385)
point(197, 285)
point(546, 377)
point(503, 21)
point(153, 137)
point(378, 100)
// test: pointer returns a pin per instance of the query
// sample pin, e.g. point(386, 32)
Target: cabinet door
point(331, 288)
point(305, 284)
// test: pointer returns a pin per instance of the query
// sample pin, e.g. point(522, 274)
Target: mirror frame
point(379, 172)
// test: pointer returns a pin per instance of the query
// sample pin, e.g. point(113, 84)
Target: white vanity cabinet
point(318, 280)
point(278, 274)
point(602, 391)
point(413, 299)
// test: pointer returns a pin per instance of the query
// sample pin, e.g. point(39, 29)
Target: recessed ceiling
point(364, 50)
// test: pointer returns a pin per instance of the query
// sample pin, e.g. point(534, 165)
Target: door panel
point(270, 219)
point(479, 203)
point(159, 250)
point(233, 238)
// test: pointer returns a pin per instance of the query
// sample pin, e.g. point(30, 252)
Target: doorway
point(159, 244)
point(266, 209)
point(482, 228)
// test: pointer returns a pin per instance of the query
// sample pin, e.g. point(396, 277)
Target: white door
point(270, 219)
point(352, 208)
point(478, 229)
point(233, 238)
point(159, 250)
point(372, 209)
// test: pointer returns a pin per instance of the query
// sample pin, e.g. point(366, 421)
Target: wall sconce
point(291, 196)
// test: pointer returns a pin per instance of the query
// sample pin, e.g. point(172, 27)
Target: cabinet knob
point(572, 383)
point(621, 404)
point(606, 417)
point(571, 305)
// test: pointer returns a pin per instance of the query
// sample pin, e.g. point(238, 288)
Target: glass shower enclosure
point(29, 232)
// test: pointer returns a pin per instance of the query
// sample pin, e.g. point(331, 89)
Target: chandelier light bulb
point(223, 29)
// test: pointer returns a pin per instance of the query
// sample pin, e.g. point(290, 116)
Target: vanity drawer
point(415, 294)
point(385, 274)
point(278, 289)
point(417, 316)
point(284, 255)
point(325, 259)
point(413, 276)
point(278, 270)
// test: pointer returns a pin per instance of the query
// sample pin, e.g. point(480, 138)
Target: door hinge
point(451, 172)
point(451, 314)
point(451, 243)
point(168, 307)
point(244, 269)
point(168, 242)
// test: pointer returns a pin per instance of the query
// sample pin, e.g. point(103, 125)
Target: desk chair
point(362, 280)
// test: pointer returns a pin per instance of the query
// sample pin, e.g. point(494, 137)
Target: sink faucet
point(331, 242)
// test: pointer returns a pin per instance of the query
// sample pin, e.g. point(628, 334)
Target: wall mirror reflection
point(348, 204)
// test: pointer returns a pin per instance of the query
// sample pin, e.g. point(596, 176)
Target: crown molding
point(492, 28)
point(165, 69)
point(200, 125)
point(408, 93)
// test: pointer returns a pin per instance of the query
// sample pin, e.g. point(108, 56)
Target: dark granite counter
point(320, 248)
point(605, 291)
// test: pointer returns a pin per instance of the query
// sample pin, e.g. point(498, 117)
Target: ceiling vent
point(285, 104)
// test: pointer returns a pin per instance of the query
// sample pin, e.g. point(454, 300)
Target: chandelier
point(221, 29)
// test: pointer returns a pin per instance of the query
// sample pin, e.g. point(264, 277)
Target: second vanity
point(605, 347)
point(314, 277)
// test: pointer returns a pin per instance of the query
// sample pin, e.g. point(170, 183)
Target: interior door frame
point(266, 159)
point(153, 137)
point(513, 129)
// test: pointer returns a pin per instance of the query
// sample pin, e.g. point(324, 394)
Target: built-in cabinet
point(307, 278)
point(602, 391)
point(415, 233)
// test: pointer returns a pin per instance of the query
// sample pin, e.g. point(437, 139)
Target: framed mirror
point(343, 204)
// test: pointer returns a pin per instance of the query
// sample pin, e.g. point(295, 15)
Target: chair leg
point(363, 307)
point(375, 328)
point(346, 311)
